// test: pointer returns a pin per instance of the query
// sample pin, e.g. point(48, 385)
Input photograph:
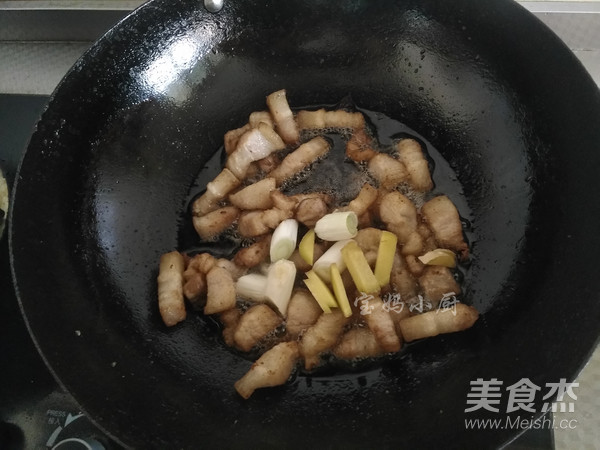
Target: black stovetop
point(35, 411)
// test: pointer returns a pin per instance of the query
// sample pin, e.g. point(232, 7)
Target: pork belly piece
point(202, 262)
point(300, 158)
point(250, 224)
point(411, 154)
point(366, 220)
point(254, 254)
point(427, 238)
point(310, 210)
point(322, 336)
point(257, 117)
point(363, 201)
point(216, 190)
point(283, 202)
point(170, 288)
point(442, 217)
point(274, 216)
point(303, 311)
point(258, 321)
point(232, 138)
point(414, 265)
point(368, 241)
point(458, 318)
point(359, 147)
point(357, 343)
point(214, 223)
point(283, 117)
point(399, 312)
point(313, 120)
point(254, 196)
point(436, 282)
point(267, 164)
point(230, 320)
point(220, 291)
point(401, 279)
point(194, 288)
point(388, 171)
point(273, 368)
point(258, 143)
point(380, 322)
point(234, 270)
point(400, 217)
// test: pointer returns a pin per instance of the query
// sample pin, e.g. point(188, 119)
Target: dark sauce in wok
point(342, 179)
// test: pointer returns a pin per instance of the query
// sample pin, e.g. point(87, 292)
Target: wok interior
point(132, 147)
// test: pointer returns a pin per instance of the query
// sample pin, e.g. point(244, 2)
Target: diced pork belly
point(412, 156)
point(257, 117)
point(312, 120)
point(273, 368)
point(400, 217)
point(220, 291)
point(300, 159)
point(303, 311)
point(258, 321)
point(254, 254)
point(401, 279)
point(170, 288)
point(359, 147)
point(358, 343)
point(230, 320)
point(234, 270)
point(310, 210)
point(436, 282)
point(432, 323)
point(368, 240)
point(380, 322)
point(258, 143)
point(216, 190)
point(257, 223)
point(232, 138)
point(363, 201)
point(322, 336)
point(283, 117)
point(442, 217)
point(254, 196)
point(388, 171)
point(214, 223)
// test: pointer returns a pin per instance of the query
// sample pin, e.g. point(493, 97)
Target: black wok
point(102, 192)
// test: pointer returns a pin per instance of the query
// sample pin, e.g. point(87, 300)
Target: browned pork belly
point(435, 322)
point(170, 288)
point(300, 159)
point(436, 282)
point(388, 171)
point(321, 337)
point(303, 311)
point(358, 343)
point(273, 368)
point(220, 291)
point(442, 217)
point(215, 222)
point(412, 156)
point(382, 326)
point(258, 321)
point(254, 196)
point(254, 254)
point(359, 147)
point(283, 116)
point(313, 120)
